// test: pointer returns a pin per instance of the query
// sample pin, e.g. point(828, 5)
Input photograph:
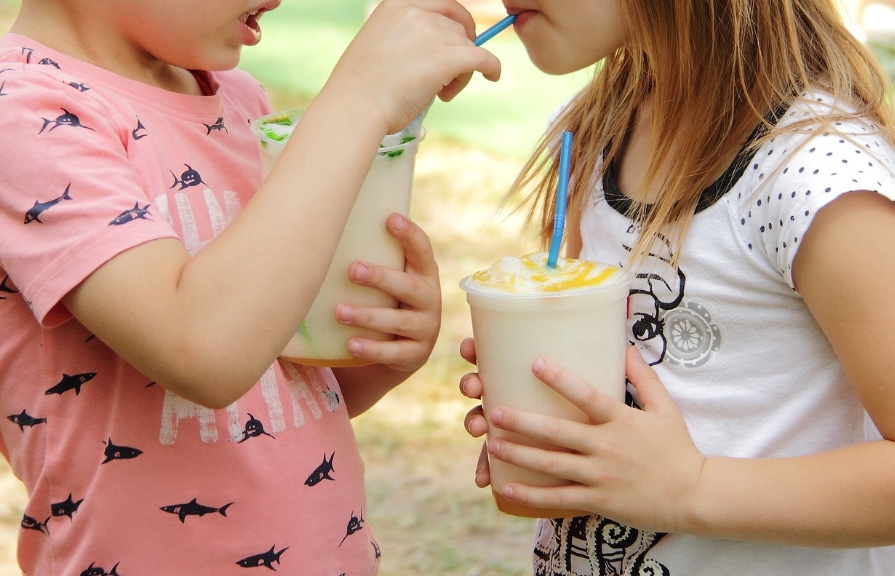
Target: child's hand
point(416, 321)
point(475, 423)
point(639, 468)
point(407, 52)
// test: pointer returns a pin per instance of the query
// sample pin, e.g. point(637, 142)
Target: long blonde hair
point(727, 62)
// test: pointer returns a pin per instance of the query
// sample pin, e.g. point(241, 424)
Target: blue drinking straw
point(494, 30)
point(562, 191)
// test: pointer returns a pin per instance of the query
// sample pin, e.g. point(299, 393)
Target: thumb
point(652, 393)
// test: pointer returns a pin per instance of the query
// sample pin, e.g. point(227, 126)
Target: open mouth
point(252, 29)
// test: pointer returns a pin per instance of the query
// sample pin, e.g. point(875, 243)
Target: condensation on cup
point(320, 339)
point(521, 311)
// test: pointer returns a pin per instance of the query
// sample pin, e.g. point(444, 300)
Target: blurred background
point(428, 515)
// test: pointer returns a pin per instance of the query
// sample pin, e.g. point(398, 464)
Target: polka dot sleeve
point(796, 174)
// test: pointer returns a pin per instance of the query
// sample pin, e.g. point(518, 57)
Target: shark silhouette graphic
point(5, 287)
point(322, 472)
point(28, 52)
point(139, 132)
point(39, 207)
point(99, 571)
point(113, 452)
point(25, 419)
point(49, 62)
point(219, 126)
point(188, 179)
point(254, 428)
point(67, 119)
point(135, 213)
point(71, 383)
point(29, 523)
point(67, 507)
point(354, 525)
point(193, 508)
point(79, 86)
point(265, 559)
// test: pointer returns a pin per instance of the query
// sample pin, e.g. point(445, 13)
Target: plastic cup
point(320, 340)
point(582, 329)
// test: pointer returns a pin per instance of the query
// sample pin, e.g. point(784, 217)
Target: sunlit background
point(428, 515)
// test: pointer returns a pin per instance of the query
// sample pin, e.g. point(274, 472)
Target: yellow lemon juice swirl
point(530, 274)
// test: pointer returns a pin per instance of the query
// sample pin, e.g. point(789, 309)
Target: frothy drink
point(321, 340)
point(523, 310)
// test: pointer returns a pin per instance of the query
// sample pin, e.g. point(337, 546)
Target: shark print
point(139, 132)
point(67, 119)
point(188, 179)
point(6, 288)
point(49, 62)
point(71, 383)
point(29, 523)
point(219, 126)
point(25, 419)
point(39, 207)
point(79, 86)
point(67, 507)
point(376, 549)
point(265, 559)
point(28, 52)
point(193, 508)
point(254, 428)
point(113, 452)
point(2, 86)
point(322, 472)
point(354, 525)
point(98, 571)
point(135, 213)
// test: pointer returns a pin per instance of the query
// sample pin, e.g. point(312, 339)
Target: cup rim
point(292, 112)
point(471, 287)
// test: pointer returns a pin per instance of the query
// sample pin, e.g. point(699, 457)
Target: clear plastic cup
point(321, 340)
point(583, 329)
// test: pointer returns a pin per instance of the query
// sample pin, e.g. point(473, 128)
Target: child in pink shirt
point(148, 281)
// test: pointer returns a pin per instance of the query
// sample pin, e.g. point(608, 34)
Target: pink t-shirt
point(123, 476)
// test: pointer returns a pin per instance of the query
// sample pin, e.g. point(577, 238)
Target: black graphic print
point(322, 472)
point(2, 86)
point(113, 452)
point(218, 125)
point(188, 179)
point(49, 62)
point(253, 429)
point(139, 132)
point(67, 507)
point(71, 383)
point(94, 570)
point(39, 207)
point(29, 523)
point(193, 508)
point(376, 549)
point(79, 86)
point(6, 288)
point(265, 559)
point(135, 213)
point(24, 419)
point(28, 52)
point(67, 119)
point(594, 546)
point(355, 525)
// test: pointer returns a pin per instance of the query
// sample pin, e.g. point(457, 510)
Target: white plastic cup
point(321, 340)
point(582, 329)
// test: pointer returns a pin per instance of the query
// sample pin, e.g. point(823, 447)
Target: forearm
point(836, 499)
point(364, 386)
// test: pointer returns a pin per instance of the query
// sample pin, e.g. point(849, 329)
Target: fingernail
point(361, 272)
point(497, 416)
point(493, 446)
point(346, 313)
point(508, 491)
point(354, 348)
point(400, 222)
point(463, 385)
point(537, 366)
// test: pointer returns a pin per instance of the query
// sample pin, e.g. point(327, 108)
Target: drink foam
point(530, 274)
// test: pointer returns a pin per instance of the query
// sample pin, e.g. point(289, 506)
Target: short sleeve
point(794, 175)
point(70, 200)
